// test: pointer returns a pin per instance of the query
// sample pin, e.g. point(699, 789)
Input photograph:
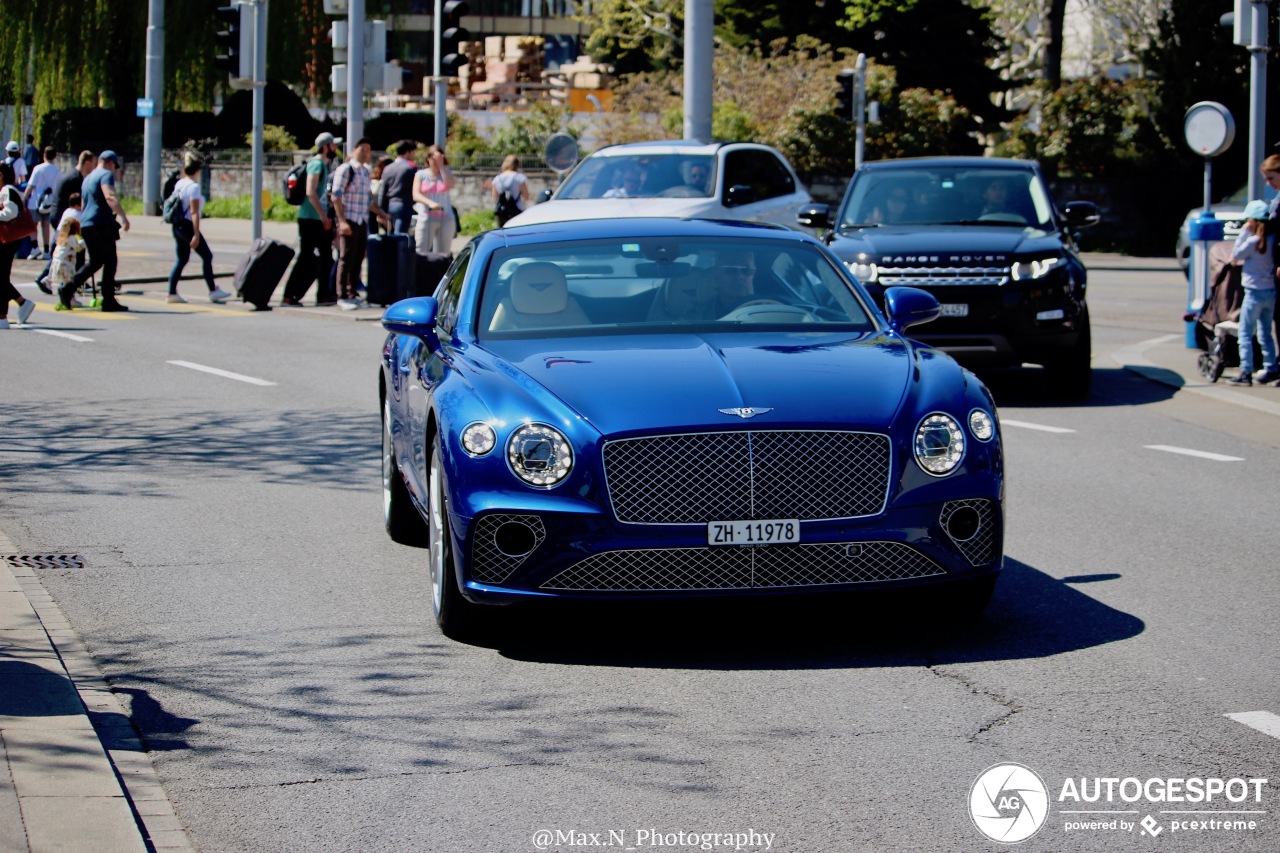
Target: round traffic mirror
point(1209, 128)
point(560, 153)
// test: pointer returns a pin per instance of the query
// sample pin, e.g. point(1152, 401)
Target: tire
point(458, 618)
point(1072, 371)
point(404, 524)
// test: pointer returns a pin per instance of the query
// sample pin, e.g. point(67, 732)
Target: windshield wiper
point(852, 225)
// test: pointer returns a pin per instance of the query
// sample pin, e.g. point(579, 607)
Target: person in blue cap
point(101, 229)
point(1258, 275)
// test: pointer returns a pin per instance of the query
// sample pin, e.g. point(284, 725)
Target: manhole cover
point(45, 561)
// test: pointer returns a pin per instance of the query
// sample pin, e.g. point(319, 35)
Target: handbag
point(22, 225)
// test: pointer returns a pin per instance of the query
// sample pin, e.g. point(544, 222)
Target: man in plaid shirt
point(353, 202)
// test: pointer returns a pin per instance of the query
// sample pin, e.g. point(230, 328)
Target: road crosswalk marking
point(59, 334)
point(1264, 721)
point(1199, 454)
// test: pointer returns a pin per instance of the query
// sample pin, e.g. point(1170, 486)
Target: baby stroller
point(1218, 322)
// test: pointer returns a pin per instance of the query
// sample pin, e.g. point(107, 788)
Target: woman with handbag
point(16, 223)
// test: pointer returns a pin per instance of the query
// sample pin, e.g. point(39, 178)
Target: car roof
point(950, 162)
point(668, 146)
point(637, 226)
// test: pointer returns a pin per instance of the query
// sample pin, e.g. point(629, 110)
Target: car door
point(776, 194)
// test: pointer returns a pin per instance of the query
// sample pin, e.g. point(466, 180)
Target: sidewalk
point(73, 774)
point(1167, 360)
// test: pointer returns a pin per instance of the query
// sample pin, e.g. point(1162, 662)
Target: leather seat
point(539, 299)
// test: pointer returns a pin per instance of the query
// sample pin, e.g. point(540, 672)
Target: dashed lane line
point(1039, 427)
point(1263, 721)
point(58, 334)
point(226, 374)
point(1199, 454)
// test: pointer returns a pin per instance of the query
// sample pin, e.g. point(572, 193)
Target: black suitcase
point(390, 265)
point(430, 268)
point(261, 270)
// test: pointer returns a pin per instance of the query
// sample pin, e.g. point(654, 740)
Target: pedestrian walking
point(1254, 248)
point(13, 156)
point(186, 231)
point(67, 249)
point(436, 226)
point(101, 230)
point(39, 198)
point(510, 190)
point(10, 207)
point(315, 231)
point(31, 154)
point(395, 192)
point(353, 204)
point(69, 184)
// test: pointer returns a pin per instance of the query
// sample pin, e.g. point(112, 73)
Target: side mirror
point(738, 195)
point(910, 306)
point(1081, 214)
point(814, 216)
point(545, 195)
point(414, 317)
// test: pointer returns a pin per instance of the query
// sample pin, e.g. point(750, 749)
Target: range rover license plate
point(954, 309)
point(769, 532)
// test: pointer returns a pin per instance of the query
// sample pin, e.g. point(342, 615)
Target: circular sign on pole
point(1209, 128)
point(560, 153)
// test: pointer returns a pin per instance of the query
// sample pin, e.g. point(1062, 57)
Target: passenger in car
point(627, 182)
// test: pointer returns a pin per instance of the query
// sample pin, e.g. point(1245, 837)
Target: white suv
point(719, 180)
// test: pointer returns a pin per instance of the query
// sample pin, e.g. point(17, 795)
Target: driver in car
point(735, 281)
point(707, 294)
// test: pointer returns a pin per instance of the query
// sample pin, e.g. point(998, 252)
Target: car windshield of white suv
point(658, 285)
point(642, 176)
point(949, 196)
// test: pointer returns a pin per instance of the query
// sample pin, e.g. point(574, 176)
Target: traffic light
point(451, 33)
point(845, 97)
point(233, 41)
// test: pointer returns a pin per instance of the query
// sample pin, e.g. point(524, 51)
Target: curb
point(74, 769)
point(1133, 358)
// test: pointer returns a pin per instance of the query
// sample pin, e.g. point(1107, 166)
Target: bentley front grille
point(940, 276)
point(976, 534)
point(501, 543)
point(747, 474)
point(745, 567)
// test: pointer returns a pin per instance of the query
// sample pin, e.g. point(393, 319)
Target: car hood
point(668, 382)
point(889, 242)
point(557, 210)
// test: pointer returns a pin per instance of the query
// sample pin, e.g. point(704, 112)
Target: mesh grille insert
point(980, 549)
point(488, 563)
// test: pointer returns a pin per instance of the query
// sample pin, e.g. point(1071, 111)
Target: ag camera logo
point(1008, 803)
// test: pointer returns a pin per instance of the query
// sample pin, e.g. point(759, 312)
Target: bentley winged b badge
point(744, 411)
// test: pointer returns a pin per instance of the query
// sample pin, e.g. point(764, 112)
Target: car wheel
point(404, 524)
point(455, 615)
point(1072, 371)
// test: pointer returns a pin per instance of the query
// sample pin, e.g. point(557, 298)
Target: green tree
point(636, 35)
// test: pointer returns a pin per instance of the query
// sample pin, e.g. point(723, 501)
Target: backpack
point(326, 198)
point(295, 184)
point(44, 204)
point(171, 211)
point(170, 181)
point(506, 207)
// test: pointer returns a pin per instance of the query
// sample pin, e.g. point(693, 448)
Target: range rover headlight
point(865, 273)
point(981, 425)
point(939, 444)
point(1036, 268)
point(539, 455)
point(478, 439)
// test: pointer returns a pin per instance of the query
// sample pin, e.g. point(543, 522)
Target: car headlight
point(939, 444)
point(540, 455)
point(478, 439)
point(1037, 268)
point(981, 425)
point(866, 273)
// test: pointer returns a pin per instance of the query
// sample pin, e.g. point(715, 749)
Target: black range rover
point(984, 237)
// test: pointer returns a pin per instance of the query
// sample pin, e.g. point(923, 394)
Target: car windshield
point(656, 285)
point(949, 196)
point(642, 176)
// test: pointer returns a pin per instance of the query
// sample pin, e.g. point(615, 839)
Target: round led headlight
point(539, 454)
point(981, 425)
point(939, 444)
point(478, 439)
point(865, 273)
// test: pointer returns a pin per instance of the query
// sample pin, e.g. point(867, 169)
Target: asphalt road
point(281, 663)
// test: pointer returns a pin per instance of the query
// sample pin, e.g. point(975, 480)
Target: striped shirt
point(434, 187)
point(354, 190)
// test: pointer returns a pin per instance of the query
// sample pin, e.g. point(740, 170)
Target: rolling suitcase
point(430, 268)
point(261, 270)
point(390, 264)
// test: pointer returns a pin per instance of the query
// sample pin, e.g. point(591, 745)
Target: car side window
point(760, 170)
point(449, 292)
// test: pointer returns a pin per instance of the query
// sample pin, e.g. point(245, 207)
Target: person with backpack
point(315, 229)
point(185, 223)
point(13, 156)
point(510, 190)
point(39, 199)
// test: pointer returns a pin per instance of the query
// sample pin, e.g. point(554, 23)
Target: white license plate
point(954, 309)
point(753, 532)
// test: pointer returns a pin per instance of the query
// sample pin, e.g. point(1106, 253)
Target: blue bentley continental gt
point(630, 408)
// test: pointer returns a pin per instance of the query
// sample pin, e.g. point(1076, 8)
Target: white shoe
point(348, 304)
point(76, 303)
point(219, 296)
point(175, 298)
point(25, 310)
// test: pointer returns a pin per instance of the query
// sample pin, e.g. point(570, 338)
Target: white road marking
point(1199, 454)
point(226, 374)
point(1040, 427)
point(58, 334)
point(1264, 721)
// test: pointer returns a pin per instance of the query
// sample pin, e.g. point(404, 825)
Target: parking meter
point(1209, 130)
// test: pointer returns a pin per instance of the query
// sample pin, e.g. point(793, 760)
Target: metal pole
point(1208, 176)
point(153, 124)
point(441, 86)
point(1257, 95)
point(860, 109)
point(259, 94)
point(699, 68)
point(355, 72)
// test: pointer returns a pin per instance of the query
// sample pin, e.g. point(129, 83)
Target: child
point(1258, 274)
point(62, 268)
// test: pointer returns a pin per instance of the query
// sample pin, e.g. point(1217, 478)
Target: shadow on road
point(1030, 388)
